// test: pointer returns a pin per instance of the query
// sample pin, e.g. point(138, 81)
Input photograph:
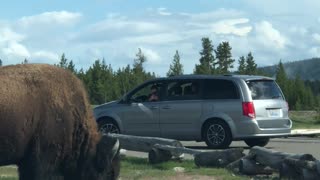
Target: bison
point(47, 126)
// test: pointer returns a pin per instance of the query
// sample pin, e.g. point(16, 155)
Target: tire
point(257, 142)
point(108, 126)
point(217, 135)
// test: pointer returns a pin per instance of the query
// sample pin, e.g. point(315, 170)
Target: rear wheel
point(217, 134)
point(108, 126)
point(257, 142)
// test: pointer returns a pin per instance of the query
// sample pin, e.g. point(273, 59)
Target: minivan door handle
point(154, 107)
point(166, 107)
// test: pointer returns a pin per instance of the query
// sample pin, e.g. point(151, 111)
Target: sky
point(86, 30)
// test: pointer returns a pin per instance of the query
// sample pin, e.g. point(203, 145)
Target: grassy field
point(133, 168)
point(304, 120)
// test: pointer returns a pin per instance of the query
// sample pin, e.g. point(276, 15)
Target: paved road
point(291, 145)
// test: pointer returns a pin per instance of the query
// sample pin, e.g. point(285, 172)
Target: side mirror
point(125, 99)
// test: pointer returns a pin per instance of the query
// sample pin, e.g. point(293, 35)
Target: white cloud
point(316, 37)
point(221, 13)
point(164, 12)
point(118, 23)
point(7, 35)
point(230, 26)
point(15, 49)
point(152, 56)
point(51, 18)
point(315, 51)
point(298, 30)
point(269, 36)
point(156, 39)
point(45, 55)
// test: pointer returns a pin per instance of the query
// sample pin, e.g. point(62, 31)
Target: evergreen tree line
point(299, 94)
point(105, 84)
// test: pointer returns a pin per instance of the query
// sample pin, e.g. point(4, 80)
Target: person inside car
point(154, 94)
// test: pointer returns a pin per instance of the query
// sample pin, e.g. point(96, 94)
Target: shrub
point(317, 116)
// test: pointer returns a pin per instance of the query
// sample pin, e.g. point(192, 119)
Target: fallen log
point(145, 144)
point(273, 158)
point(158, 155)
point(251, 167)
point(234, 166)
point(300, 169)
point(213, 158)
point(177, 150)
point(218, 158)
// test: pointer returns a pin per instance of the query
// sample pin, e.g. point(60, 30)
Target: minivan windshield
point(264, 89)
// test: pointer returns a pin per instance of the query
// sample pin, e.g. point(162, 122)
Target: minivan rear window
point(264, 89)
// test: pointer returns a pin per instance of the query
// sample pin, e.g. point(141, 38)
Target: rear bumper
point(251, 129)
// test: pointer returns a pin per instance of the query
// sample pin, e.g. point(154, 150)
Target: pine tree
point(63, 62)
point(107, 82)
point(71, 67)
point(138, 70)
point(125, 80)
point(94, 82)
point(224, 58)
point(25, 61)
point(282, 79)
point(81, 74)
point(299, 93)
point(176, 68)
point(242, 65)
point(251, 68)
point(139, 61)
point(0, 62)
point(207, 60)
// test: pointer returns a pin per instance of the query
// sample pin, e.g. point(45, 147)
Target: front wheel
point(217, 135)
point(108, 126)
point(257, 142)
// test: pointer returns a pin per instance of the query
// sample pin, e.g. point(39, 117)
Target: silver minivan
point(214, 109)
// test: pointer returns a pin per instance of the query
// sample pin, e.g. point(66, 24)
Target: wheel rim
point(216, 134)
point(109, 128)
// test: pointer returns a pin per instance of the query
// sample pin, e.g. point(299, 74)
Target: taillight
point(248, 109)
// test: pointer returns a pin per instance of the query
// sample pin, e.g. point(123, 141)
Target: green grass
point(133, 168)
point(304, 120)
point(8, 173)
point(139, 168)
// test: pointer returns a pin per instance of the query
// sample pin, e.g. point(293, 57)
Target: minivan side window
point(183, 90)
point(148, 93)
point(220, 89)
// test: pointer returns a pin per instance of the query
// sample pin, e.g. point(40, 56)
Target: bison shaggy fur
point(47, 126)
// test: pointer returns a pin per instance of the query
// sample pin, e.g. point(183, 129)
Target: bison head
point(106, 161)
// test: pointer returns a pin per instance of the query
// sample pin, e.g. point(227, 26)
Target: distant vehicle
point(214, 109)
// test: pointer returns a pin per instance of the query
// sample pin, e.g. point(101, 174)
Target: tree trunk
point(218, 158)
point(145, 144)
